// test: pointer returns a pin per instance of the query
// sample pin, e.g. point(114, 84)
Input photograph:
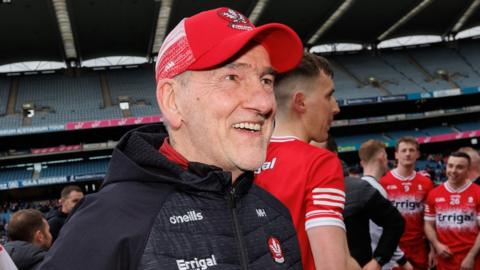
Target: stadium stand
point(143, 110)
point(4, 89)
point(139, 84)
point(468, 126)
point(438, 58)
point(395, 135)
point(10, 121)
point(437, 130)
point(75, 168)
point(349, 82)
point(415, 80)
point(61, 93)
point(367, 65)
point(468, 50)
point(12, 174)
point(359, 139)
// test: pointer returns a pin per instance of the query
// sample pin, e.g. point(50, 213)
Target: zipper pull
point(232, 199)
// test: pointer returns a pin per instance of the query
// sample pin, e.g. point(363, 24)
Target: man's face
point(457, 170)
point(406, 154)
point(321, 107)
point(227, 112)
point(70, 201)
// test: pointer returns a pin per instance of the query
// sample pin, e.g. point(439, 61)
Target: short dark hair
point(303, 76)
point(461, 155)
point(310, 66)
point(69, 189)
point(23, 225)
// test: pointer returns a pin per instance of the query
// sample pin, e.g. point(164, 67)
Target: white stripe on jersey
point(329, 190)
point(283, 138)
point(330, 197)
point(320, 202)
point(401, 178)
point(317, 212)
point(327, 221)
point(458, 190)
point(429, 218)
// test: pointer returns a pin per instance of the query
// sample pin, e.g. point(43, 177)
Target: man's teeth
point(248, 126)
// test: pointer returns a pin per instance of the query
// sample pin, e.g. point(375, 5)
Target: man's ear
point(38, 237)
point(167, 101)
point(298, 102)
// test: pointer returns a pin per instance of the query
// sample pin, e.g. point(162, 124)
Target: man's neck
point(405, 171)
point(457, 185)
point(373, 170)
point(291, 128)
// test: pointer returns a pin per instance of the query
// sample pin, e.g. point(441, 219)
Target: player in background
point(408, 190)
point(452, 217)
point(307, 179)
point(374, 161)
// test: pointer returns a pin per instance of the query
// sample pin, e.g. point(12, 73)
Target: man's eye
point(231, 77)
point(268, 81)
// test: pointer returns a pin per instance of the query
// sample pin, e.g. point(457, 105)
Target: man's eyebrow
point(237, 65)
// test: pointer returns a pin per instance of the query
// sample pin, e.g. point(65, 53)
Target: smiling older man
point(185, 200)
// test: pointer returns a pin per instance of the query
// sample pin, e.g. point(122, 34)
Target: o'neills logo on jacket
point(197, 264)
point(190, 216)
point(276, 250)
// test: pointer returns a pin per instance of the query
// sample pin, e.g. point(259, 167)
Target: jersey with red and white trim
point(456, 214)
point(408, 195)
point(309, 182)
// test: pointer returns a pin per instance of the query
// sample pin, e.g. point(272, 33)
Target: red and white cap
point(210, 38)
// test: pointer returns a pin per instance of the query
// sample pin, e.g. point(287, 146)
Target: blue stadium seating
point(145, 110)
point(415, 80)
point(75, 168)
point(365, 65)
point(432, 131)
point(395, 135)
point(359, 139)
point(468, 126)
point(12, 174)
point(10, 122)
point(139, 84)
point(469, 50)
point(63, 94)
point(439, 57)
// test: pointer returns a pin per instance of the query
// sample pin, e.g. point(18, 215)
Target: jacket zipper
point(238, 234)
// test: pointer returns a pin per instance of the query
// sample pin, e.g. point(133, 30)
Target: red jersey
point(309, 182)
point(456, 214)
point(408, 195)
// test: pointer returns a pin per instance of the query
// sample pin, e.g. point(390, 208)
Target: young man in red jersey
point(408, 190)
point(452, 217)
point(307, 179)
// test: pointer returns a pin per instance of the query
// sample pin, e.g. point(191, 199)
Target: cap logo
point(276, 250)
point(236, 19)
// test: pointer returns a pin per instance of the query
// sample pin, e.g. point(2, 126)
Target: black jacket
point(56, 219)
point(26, 256)
point(364, 203)
point(152, 214)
